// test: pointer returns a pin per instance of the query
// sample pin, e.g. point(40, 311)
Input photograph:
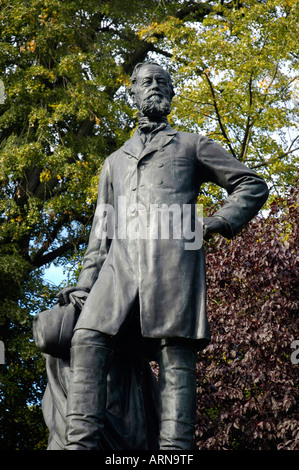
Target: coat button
point(160, 164)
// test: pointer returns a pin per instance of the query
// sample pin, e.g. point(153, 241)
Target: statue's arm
point(99, 240)
point(247, 191)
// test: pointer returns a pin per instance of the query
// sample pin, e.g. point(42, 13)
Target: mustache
point(155, 93)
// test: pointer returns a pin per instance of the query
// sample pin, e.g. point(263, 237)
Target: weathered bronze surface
point(146, 294)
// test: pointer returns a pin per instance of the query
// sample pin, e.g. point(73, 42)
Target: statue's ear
point(132, 95)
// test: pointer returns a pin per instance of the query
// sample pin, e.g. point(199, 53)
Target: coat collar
point(135, 147)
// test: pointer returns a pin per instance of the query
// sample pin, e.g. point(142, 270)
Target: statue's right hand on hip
point(212, 226)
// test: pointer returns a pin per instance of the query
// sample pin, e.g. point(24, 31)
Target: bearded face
point(152, 92)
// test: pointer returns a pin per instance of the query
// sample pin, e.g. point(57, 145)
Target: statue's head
point(151, 89)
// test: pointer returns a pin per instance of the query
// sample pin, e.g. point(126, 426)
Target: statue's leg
point(177, 378)
point(86, 397)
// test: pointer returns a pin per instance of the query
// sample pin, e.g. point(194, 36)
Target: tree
point(236, 75)
point(64, 66)
point(248, 386)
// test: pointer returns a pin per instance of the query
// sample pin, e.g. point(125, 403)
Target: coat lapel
point(133, 146)
point(160, 140)
point(136, 148)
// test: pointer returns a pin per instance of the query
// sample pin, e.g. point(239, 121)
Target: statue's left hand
point(64, 295)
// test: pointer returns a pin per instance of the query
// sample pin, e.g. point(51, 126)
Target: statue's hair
point(137, 70)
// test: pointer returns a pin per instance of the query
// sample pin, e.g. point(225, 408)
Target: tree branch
point(50, 239)
point(279, 157)
point(219, 116)
point(249, 125)
point(201, 10)
point(61, 250)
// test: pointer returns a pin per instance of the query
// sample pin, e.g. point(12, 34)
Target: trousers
point(86, 401)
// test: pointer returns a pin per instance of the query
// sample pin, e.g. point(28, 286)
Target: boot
point(177, 379)
point(86, 401)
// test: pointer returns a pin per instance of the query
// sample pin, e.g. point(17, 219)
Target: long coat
point(168, 278)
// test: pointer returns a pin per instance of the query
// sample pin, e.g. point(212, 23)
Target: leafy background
point(65, 67)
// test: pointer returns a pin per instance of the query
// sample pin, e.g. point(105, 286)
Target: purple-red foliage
point(248, 387)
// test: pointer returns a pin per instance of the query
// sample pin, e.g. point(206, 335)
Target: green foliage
point(64, 66)
point(236, 75)
point(23, 376)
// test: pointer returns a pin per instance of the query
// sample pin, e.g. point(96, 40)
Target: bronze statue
point(146, 295)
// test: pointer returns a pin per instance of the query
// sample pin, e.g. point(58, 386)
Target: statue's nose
point(155, 85)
